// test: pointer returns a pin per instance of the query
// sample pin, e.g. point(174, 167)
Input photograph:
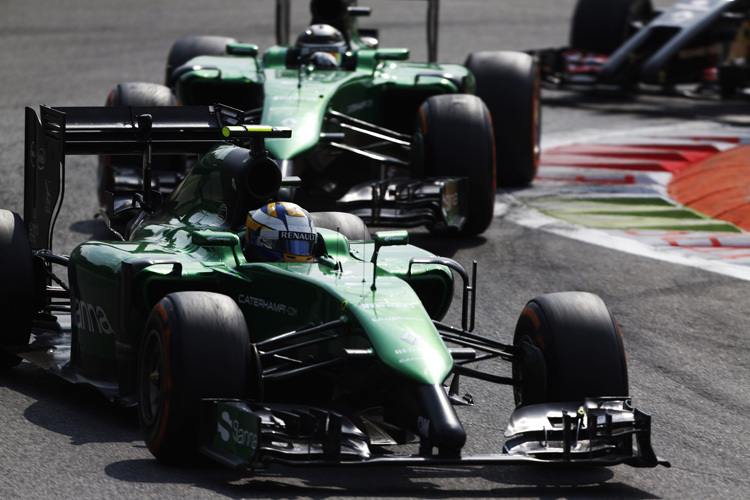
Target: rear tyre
point(508, 83)
point(187, 48)
point(16, 285)
point(195, 345)
point(601, 26)
point(347, 224)
point(570, 349)
point(124, 173)
point(454, 137)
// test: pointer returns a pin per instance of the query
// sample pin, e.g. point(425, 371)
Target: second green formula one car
point(396, 142)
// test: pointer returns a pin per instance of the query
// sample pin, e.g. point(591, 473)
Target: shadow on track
point(386, 482)
point(735, 112)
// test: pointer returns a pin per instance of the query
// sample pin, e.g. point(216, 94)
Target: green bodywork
point(379, 86)
point(187, 245)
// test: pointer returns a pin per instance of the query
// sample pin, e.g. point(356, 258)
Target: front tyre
point(570, 348)
point(195, 345)
point(16, 285)
point(509, 84)
point(454, 138)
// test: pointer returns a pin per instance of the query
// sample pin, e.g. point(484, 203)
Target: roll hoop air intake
point(249, 177)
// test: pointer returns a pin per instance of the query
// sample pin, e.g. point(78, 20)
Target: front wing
point(602, 431)
point(439, 202)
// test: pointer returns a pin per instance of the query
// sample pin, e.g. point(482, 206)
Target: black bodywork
point(695, 48)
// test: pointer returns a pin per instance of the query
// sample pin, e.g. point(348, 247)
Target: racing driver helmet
point(279, 232)
point(321, 44)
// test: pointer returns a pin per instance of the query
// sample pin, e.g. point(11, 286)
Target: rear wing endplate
point(61, 132)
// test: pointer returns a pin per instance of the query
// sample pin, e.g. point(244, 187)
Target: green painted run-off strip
point(630, 213)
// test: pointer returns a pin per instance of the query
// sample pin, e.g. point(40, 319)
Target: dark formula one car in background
point(374, 132)
point(696, 48)
point(336, 361)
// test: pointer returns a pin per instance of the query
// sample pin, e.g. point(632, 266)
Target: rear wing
point(61, 132)
point(342, 15)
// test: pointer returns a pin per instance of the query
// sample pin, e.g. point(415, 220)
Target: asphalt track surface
point(685, 330)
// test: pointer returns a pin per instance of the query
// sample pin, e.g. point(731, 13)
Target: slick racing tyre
point(16, 285)
point(570, 348)
point(453, 138)
point(508, 83)
point(187, 48)
point(601, 26)
point(124, 173)
point(195, 345)
point(347, 224)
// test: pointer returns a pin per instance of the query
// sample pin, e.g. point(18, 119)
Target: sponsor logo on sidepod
point(91, 318)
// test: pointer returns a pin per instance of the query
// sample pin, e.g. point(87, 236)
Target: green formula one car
point(374, 131)
point(337, 360)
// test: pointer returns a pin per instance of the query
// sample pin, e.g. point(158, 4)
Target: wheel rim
point(151, 380)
